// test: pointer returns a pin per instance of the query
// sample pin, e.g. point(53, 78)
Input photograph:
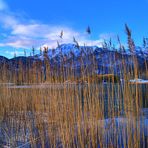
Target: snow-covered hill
point(67, 49)
point(72, 55)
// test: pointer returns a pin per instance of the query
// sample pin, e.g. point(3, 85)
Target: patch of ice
point(140, 81)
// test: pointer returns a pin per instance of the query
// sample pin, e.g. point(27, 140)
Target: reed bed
point(68, 110)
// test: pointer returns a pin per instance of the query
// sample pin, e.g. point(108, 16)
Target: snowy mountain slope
point(66, 54)
point(71, 49)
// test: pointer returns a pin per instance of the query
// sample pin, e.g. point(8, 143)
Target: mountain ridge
point(71, 53)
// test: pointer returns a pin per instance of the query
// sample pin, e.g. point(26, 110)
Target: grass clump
point(67, 107)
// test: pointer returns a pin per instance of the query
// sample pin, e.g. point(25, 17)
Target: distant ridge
point(105, 57)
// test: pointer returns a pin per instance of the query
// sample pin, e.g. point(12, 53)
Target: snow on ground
point(139, 81)
point(109, 129)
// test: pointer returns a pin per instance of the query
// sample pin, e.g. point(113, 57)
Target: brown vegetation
point(62, 115)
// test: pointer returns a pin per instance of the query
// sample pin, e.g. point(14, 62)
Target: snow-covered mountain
point(72, 55)
point(72, 49)
point(105, 57)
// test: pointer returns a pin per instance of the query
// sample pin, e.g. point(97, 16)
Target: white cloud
point(3, 5)
point(12, 53)
point(8, 21)
point(107, 36)
point(18, 43)
point(31, 33)
point(38, 34)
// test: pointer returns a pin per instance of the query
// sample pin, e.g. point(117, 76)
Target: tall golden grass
point(67, 112)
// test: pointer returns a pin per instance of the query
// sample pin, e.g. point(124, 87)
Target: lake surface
point(111, 96)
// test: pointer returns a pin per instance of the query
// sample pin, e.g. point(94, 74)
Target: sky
point(37, 23)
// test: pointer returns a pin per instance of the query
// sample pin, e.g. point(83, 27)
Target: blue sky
point(27, 23)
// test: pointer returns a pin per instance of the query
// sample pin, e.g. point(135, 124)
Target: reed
point(71, 110)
